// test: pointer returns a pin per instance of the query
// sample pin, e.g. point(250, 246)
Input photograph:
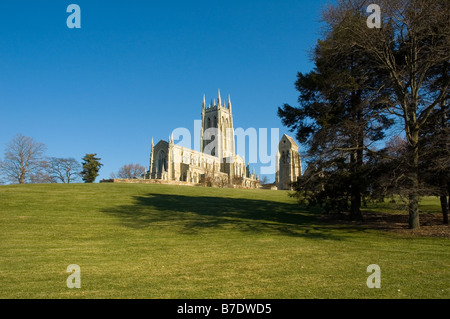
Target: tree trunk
point(22, 170)
point(356, 158)
point(413, 197)
point(356, 189)
point(443, 197)
point(22, 176)
point(355, 207)
point(444, 207)
point(413, 208)
point(448, 193)
point(445, 185)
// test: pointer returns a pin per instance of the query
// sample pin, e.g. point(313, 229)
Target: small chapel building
point(289, 163)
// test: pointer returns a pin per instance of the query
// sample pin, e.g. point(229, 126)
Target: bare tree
point(65, 170)
point(207, 179)
point(237, 181)
point(129, 171)
point(222, 182)
point(41, 176)
point(264, 180)
point(23, 159)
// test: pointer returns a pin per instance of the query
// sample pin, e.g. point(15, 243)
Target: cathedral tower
point(217, 136)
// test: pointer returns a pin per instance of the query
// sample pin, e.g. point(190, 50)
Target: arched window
point(213, 150)
point(208, 123)
point(215, 121)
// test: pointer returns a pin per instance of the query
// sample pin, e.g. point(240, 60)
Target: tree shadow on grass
point(191, 214)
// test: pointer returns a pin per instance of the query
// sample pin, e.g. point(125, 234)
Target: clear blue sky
point(139, 69)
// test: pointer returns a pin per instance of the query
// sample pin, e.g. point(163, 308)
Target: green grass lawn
point(159, 241)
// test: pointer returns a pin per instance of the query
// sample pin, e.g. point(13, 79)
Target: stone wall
point(160, 181)
point(147, 181)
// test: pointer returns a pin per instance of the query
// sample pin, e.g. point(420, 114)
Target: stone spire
point(204, 102)
point(150, 169)
point(219, 100)
point(229, 102)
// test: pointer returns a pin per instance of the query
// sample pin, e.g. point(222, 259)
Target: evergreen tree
point(340, 115)
point(91, 167)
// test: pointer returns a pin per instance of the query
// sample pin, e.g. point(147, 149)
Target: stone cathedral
point(216, 163)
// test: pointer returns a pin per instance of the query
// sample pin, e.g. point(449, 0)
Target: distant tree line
point(366, 81)
point(25, 162)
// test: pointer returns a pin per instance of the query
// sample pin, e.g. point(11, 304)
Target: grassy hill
point(159, 241)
